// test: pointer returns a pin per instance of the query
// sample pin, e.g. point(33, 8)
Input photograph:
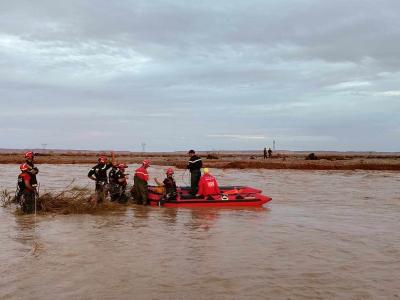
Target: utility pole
point(273, 145)
point(143, 146)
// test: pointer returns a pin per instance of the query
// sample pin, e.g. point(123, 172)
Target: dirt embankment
point(236, 160)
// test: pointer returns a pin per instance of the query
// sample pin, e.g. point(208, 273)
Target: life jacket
point(142, 173)
point(24, 176)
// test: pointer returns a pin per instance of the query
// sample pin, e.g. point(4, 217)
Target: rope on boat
point(183, 178)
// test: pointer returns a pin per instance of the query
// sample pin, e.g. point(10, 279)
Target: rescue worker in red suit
point(33, 171)
point(208, 185)
point(140, 183)
point(26, 192)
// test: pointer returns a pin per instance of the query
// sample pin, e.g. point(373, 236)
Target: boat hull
point(229, 197)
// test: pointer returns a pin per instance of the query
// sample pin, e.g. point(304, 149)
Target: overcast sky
point(310, 74)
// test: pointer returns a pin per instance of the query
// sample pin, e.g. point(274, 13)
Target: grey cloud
point(290, 69)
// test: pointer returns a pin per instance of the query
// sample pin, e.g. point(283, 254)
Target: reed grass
point(71, 200)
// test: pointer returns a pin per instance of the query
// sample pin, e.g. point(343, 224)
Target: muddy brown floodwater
point(325, 235)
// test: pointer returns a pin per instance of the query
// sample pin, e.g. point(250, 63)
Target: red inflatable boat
point(230, 196)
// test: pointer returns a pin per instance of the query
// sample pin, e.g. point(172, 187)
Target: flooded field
point(325, 235)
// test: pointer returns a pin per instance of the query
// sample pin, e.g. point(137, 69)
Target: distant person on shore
point(269, 152)
point(118, 182)
point(99, 174)
point(208, 185)
point(265, 153)
point(194, 165)
point(169, 184)
point(26, 192)
point(140, 183)
point(33, 171)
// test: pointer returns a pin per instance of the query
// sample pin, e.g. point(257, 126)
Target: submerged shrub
point(6, 198)
point(73, 200)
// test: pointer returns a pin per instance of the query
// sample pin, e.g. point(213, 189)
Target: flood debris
point(72, 200)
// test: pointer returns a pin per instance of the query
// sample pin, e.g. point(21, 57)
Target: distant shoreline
point(291, 160)
point(9, 151)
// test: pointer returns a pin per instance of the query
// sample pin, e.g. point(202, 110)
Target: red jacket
point(142, 173)
point(208, 185)
point(23, 179)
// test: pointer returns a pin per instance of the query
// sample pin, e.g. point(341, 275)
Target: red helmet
point(24, 167)
point(146, 163)
point(169, 171)
point(29, 155)
point(122, 166)
point(102, 159)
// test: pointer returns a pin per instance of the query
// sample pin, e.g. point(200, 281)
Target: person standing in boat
point(33, 171)
point(99, 174)
point(208, 185)
point(194, 165)
point(170, 187)
point(140, 183)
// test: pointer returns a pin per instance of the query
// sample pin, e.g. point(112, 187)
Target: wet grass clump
point(6, 198)
point(73, 200)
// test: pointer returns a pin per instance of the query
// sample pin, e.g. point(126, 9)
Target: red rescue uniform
point(208, 185)
point(23, 179)
point(140, 185)
point(142, 173)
